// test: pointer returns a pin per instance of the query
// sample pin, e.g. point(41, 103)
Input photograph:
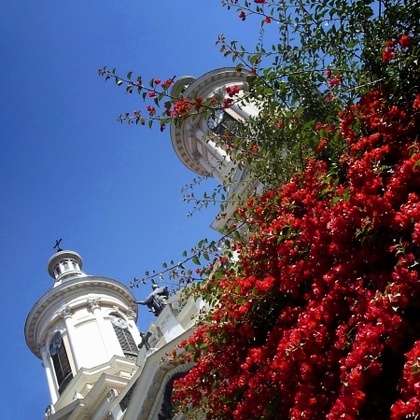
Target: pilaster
point(66, 314)
point(46, 361)
point(95, 308)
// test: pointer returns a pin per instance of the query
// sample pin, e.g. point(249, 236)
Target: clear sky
point(69, 170)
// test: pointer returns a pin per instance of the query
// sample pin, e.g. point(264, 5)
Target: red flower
point(259, 1)
point(416, 103)
point(404, 41)
point(255, 148)
point(335, 81)
point(151, 94)
point(346, 250)
point(226, 102)
point(267, 20)
point(167, 83)
point(232, 90)
point(151, 110)
point(387, 55)
point(242, 15)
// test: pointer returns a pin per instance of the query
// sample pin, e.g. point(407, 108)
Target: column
point(49, 372)
point(213, 148)
point(131, 315)
point(94, 307)
point(67, 316)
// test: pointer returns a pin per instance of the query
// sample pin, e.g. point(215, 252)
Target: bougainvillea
point(318, 319)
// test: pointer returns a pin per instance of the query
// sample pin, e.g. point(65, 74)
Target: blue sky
point(69, 170)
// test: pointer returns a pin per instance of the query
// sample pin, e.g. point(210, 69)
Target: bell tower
point(84, 331)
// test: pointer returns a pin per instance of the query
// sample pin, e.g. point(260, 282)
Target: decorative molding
point(156, 335)
point(178, 305)
point(42, 348)
point(49, 411)
point(65, 312)
point(94, 303)
point(131, 315)
point(163, 378)
point(57, 328)
point(112, 394)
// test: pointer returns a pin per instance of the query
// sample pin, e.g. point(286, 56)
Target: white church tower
point(84, 331)
point(197, 139)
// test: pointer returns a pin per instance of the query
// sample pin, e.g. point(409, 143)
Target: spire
point(65, 264)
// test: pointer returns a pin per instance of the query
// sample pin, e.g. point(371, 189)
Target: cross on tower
point(57, 244)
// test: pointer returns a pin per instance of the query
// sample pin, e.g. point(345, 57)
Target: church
point(97, 364)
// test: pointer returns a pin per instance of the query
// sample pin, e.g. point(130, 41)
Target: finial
point(57, 245)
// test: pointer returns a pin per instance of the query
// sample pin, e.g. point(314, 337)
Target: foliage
point(323, 56)
point(319, 316)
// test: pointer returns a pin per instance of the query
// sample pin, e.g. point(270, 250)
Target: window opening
point(222, 123)
point(126, 340)
point(61, 362)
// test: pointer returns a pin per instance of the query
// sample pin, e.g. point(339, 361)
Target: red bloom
point(151, 110)
point(226, 102)
point(404, 41)
point(387, 55)
point(336, 80)
point(331, 272)
point(416, 103)
point(259, 1)
point(242, 15)
point(232, 90)
point(167, 83)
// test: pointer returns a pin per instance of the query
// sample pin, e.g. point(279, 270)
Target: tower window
point(126, 340)
point(222, 123)
point(60, 361)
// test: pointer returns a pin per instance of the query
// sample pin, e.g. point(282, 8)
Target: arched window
point(126, 340)
point(60, 361)
point(222, 123)
point(166, 410)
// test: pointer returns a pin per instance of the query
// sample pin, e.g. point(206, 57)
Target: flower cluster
point(319, 317)
point(392, 46)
